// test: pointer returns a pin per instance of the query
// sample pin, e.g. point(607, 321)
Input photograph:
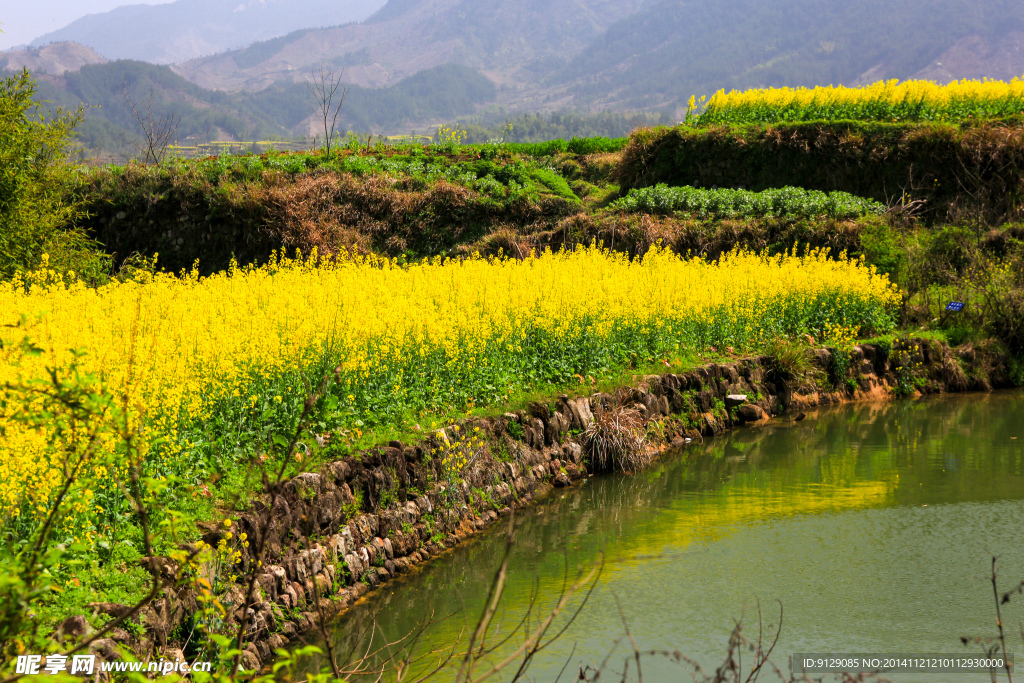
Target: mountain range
point(185, 29)
point(524, 55)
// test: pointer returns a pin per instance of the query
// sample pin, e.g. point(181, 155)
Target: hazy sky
point(24, 20)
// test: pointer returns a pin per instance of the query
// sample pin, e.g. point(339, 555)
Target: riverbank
point(892, 507)
point(334, 535)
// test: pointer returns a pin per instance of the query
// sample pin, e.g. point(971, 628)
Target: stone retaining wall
point(321, 545)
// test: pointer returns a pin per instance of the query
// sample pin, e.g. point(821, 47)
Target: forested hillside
point(515, 41)
point(56, 58)
point(440, 93)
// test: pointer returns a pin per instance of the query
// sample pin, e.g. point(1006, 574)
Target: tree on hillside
point(324, 89)
point(37, 186)
point(158, 130)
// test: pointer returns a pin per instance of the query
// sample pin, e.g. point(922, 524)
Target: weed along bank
point(246, 401)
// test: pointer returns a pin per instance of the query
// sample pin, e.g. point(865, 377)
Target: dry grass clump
point(616, 441)
point(186, 215)
point(952, 372)
point(330, 211)
point(791, 361)
point(600, 167)
point(504, 239)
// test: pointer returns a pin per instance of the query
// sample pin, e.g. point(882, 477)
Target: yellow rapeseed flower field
point(883, 101)
point(210, 366)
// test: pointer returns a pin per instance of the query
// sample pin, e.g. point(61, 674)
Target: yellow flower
point(177, 349)
point(885, 101)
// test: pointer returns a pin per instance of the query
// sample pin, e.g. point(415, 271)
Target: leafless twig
point(157, 130)
point(999, 620)
point(323, 87)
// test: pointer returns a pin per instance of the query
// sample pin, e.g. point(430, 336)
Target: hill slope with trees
point(283, 110)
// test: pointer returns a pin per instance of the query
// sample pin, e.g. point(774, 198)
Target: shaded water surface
point(873, 525)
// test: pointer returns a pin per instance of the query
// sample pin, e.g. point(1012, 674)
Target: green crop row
point(786, 202)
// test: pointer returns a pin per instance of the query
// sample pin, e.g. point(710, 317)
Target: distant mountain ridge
point(509, 40)
point(56, 59)
point(186, 29)
point(621, 55)
point(974, 56)
point(676, 48)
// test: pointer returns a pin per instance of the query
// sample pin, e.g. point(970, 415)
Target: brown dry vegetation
point(185, 217)
point(636, 234)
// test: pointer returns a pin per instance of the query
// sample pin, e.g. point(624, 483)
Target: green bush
point(882, 248)
point(954, 246)
point(1016, 369)
point(951, 265)
point(36, 188)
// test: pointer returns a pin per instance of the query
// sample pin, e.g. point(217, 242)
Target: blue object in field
point(955, 306)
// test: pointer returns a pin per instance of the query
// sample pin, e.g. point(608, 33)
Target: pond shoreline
point(333, 536)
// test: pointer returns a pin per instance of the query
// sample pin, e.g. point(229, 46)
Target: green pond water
point(873, 525)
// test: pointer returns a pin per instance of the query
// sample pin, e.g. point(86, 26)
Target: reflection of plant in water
point(839, 467)
point(478, 653)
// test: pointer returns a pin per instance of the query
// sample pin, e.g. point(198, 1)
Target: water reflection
point(873, 524)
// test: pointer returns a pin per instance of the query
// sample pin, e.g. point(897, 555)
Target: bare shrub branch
point(157, 130)
point(323, 88)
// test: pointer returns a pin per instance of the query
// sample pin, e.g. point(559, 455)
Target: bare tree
point(324, 88)
point(157, 130)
